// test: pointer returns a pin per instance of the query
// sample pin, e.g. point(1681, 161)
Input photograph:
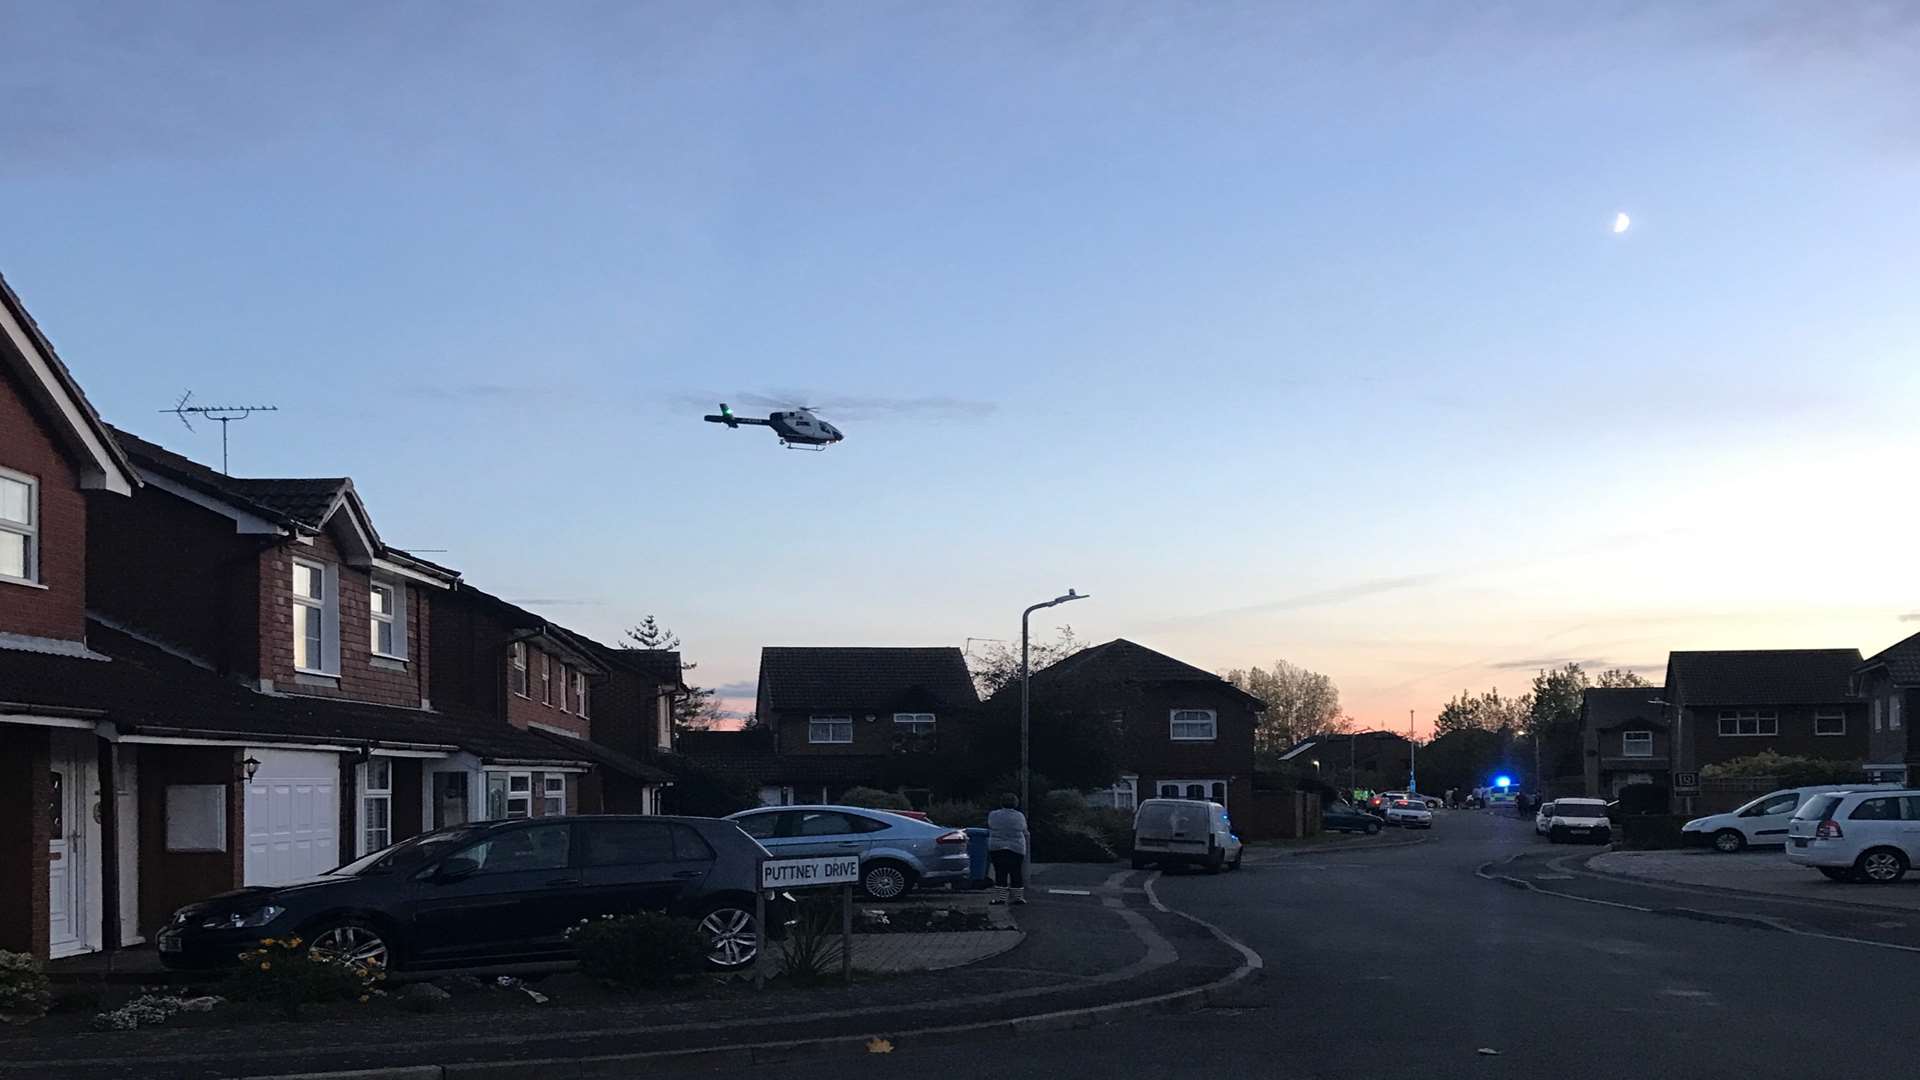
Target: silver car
point(896, 852)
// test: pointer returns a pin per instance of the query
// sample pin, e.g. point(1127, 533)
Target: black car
point(497, 891)
point(1346, 817)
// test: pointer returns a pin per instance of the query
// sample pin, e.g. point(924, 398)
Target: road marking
point(1071, 892)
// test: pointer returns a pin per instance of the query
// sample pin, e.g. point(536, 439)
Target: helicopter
point(798, 428)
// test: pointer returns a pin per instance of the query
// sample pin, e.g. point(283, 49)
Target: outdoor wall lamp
point(250, 766)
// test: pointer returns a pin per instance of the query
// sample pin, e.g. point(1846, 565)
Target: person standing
point(1007, 851)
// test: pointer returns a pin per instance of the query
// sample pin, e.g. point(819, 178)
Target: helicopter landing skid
point(803, 446)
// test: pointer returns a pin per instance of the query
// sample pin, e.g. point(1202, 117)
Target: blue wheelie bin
point(978, 868)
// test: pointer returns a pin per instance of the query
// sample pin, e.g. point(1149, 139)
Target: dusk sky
point(1284, 331)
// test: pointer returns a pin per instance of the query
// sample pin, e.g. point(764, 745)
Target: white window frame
point(524, 795)
point(1122, 794)
point(1766, 723)
point(663, 722)
point(546, 678)
point(395, 617)
point(1630, 739)
point(517, 663)
point(327, 606)
point(553, 786)
point(580, 694)
point(1829, 714)
point(1177, 717)
point(1205, 784)
point(29, 530)
point(914, 723)
point(369, 796)
point(566, 687)
point(1877, 715)
point(1893, 712)
point(834, 721)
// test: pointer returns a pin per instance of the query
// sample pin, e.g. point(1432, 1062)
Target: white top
point(1007, 831)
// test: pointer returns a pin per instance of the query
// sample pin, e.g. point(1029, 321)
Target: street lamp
point(1026, 795)
point(1675, 745)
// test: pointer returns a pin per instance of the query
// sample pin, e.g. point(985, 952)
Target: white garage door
point(292, 816)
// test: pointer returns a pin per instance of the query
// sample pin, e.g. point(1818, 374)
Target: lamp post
point(1675, 746)
point(1026, 795)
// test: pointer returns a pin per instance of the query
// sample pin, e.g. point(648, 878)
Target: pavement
point(1757, 870)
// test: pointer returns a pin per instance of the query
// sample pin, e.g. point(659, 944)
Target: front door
point(449, 799)
point(68, 832)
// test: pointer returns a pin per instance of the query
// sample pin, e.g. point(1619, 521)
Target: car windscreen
point(1160, 819)
point(408, 854)
point(1817, 808)
point(1581, 810)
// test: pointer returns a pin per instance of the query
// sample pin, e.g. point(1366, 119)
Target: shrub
point(1115, 827)
point(23, 986)
point(1638, 799)
point(958, 814)
point(1651, 832)
point(1070, 843)
point(648, 949)
point(874, 799)
point(147, 1010)
point(282, 973)
point(1786, 770)
point(812, 948)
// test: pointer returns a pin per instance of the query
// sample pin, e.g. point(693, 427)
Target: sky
point(1286, 331)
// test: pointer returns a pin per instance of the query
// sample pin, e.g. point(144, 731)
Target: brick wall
point(170, 880)
point(1796, 737)
point(1148, 750)
point(27, 446)
point(363, 676)
point(532, 709)
point(178, 572)
point(25, 793)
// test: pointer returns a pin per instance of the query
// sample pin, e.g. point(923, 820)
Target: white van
point(1762, 822)
point(1184, 832)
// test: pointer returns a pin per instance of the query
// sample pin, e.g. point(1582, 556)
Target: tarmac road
point(1403, 962)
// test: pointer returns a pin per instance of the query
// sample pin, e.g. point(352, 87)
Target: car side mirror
point(454, 869)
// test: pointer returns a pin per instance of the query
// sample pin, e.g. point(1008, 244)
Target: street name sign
point(807, 873)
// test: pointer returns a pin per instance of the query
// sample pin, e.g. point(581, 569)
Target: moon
point(1621, 222)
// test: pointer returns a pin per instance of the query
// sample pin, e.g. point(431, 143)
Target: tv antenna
point(226, 414)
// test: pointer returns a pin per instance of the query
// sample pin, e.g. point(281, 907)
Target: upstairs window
point(1636, 743)
point(913, 723)
point(1893, 713)
point(546, 679)
point(19, 527)
point(566, 685)
point(830, 729)
point(1749, 722)
point(517, 668)
point(1829, 722)
point(387, 619)
point(1193, 725)
point(580, 693)
point(1877, 722)
point(316, 619)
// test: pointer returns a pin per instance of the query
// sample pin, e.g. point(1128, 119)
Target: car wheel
point(1373, 827)
point(1881, 866)
point(352, 942)
point(1837, 873)
point(1235, 864)
point(732, 940)
point(1728, 841)
point(885, 880)
point(1216, 861)
point(1553, 836)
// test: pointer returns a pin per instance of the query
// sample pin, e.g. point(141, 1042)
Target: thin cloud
point(740, 689)
point(1588, 663)
point(1911, 616)
point(1321, 597)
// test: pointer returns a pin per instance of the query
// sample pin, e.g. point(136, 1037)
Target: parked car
point(1381, 800)
point(1346, 817)
point(1578, 819)
point(1185, 832)
point(1871, 836)
point(494, 891)
point(1542, 819)
point(1761, 822)
point(1411, 813)
point(896, 852)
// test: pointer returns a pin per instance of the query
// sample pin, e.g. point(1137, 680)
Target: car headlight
point(244, 920)
point(1692, 826)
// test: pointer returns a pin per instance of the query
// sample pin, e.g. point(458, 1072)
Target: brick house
point(1889, 681)
point(582, 698)
point(1344, 757)
point(1624, 738)
point(833, 718)
point(1730, 704)
point(1184, 732)
point(55, 833)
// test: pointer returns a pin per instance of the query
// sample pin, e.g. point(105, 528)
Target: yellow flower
point(265, 966)
point(293, 943)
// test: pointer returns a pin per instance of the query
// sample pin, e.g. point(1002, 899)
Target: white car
point(1411, 813)
point(1871, 836)
point(1578, 819)
point(1542, 818)
point(1762, 821)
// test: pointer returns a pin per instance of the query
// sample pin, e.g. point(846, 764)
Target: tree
point(699, 707)
point(1300, 704)
point(1617, 677)
point(1553, 723)
point(998, 665)
point(1483, 712)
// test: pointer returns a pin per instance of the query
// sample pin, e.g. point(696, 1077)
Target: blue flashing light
point(1503, 781)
